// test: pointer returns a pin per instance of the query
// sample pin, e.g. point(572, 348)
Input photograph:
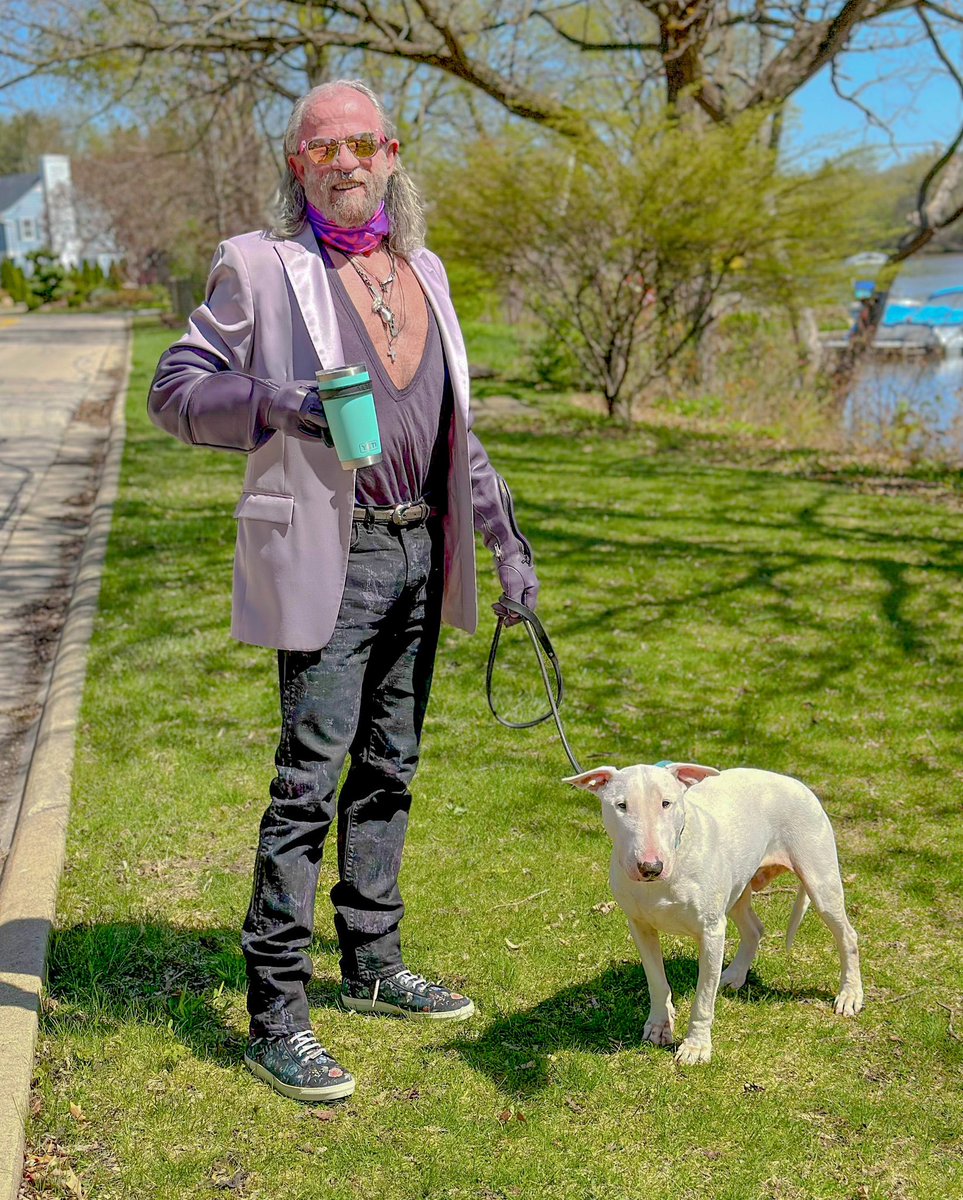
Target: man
point(346, 574)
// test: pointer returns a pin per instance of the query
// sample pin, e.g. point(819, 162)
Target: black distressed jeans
point(364, 694)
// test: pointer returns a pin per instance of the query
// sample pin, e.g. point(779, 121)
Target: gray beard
point(343, 207)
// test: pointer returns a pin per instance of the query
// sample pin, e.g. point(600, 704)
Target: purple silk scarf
point(350, 241)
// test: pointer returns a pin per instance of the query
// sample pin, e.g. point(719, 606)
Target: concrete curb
point(31, 876)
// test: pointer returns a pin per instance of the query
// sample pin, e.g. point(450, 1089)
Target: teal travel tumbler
point(349, 409)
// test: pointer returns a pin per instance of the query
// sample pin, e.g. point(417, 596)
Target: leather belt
point(414, 512)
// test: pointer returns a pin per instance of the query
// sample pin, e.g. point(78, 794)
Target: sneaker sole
point(325, 1095)
point(394, 1010)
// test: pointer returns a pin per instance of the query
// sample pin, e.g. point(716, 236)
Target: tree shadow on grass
point(604, 1016)
point(117, 973)
point(107, 975)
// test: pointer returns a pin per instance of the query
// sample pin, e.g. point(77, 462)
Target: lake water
point(906, 403)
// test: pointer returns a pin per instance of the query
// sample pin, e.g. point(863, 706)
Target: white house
point(37, 210)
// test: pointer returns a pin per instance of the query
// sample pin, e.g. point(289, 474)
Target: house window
point(28, 229)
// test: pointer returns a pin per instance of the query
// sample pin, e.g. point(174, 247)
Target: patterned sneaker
point(298, 1067)
point(406, 995)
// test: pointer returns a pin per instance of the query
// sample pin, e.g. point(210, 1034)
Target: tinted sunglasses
point(325, 150)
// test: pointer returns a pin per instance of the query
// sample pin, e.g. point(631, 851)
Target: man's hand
point(295, 409)
point(519, 583)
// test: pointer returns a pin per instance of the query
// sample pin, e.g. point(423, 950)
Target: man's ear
point(690, 773)
point(594, 779)
point(391, 154)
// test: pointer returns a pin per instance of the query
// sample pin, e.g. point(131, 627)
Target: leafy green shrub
point(153, 295)
point(13, 281)
point(554, 363)
point(82, 281)
point(627, 249)
point(47, 281)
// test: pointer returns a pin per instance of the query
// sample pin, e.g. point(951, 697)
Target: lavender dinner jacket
point(269, 314)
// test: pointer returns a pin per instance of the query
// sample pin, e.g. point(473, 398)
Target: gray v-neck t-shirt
point(414, 420)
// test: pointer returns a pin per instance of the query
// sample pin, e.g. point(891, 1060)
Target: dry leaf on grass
point(511, 1114)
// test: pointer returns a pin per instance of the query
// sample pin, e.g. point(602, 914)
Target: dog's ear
point(592, 780)
point(690, 773)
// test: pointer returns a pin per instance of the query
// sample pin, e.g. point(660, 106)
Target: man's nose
point(344, 160)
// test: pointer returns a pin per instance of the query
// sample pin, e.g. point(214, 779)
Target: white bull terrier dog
point(690, 845)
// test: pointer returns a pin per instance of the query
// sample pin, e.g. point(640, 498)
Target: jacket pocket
point(265, 506)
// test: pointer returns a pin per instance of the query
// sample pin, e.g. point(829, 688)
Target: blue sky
point(922, 106)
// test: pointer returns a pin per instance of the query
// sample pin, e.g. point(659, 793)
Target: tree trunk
point(683, 28)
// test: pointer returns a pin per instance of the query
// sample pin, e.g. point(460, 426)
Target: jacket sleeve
point(200, 392)
point(494, 513)
point(493, 507)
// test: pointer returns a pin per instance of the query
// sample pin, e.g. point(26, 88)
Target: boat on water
point(908, 326)
point(868, 258)
point(934, 324)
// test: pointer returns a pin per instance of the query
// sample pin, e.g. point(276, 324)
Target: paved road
point(58, 378)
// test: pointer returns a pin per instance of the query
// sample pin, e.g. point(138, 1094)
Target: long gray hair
point(402, 202)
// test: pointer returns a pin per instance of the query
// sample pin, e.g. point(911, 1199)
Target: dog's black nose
point(652, 869)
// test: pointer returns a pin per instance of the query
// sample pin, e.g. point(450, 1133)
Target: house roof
point(12, 187)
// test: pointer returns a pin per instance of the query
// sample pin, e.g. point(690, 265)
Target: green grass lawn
point(702, 609)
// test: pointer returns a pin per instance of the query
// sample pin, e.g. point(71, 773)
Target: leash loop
point(542, 645)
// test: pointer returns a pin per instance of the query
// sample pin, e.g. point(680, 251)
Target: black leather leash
point(541, 643)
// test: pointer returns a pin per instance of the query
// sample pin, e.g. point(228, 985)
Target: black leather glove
point(295, 409)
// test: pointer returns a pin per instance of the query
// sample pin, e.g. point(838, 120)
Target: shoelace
point(307, 1047)
point(417, 983)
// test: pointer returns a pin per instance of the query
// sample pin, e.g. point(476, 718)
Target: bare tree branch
point(592, 46)
point(930, 218)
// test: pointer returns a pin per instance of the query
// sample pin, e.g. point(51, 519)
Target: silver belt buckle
point(408, 514)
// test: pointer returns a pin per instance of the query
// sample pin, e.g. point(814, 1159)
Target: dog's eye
point(666, 803)
point(621, 805)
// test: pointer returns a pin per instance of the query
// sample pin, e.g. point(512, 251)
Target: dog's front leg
point(660, 1023)
point(697, 1047)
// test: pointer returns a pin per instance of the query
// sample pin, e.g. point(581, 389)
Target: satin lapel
point(455, 356)
point(305, 270)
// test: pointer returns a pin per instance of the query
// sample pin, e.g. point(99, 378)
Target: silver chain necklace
point(380, 293)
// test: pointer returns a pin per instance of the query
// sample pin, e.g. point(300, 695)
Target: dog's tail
point(798, 912)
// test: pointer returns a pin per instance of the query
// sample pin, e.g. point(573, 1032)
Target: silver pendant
point(383, 311)
point(387, 316)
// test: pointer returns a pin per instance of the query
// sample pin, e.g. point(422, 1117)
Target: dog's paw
point(849, 1001)
point(733, 977)
point(658, 1031)
point(692, 1052)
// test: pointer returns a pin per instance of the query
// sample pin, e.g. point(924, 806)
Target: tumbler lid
point(337, 377)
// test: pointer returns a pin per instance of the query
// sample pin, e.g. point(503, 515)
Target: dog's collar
point(678, 840)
